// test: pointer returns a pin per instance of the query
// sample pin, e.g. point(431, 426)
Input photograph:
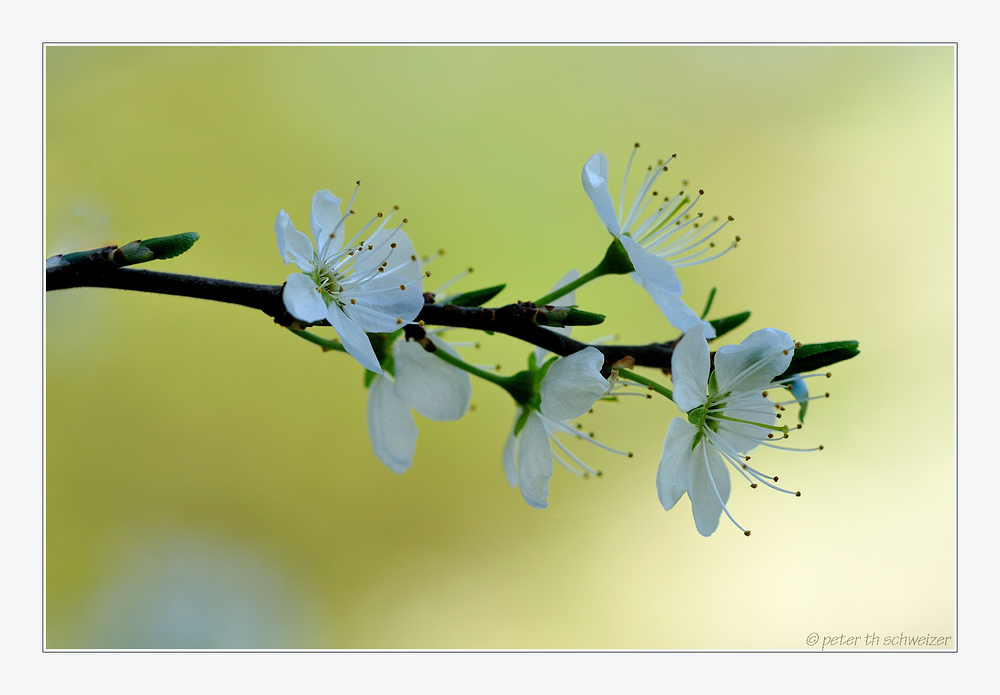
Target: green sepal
point(708, 304)
point(809, 358)
point(723, 326)
point(169, 246)
point(696, 440)
point(369, 377)
point(697, 416)
point(521, 421)
point(476, 297)
point(615, 261)
point(523, 388)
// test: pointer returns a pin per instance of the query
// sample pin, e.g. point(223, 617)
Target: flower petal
point(674, 473)
point(402, 263)
point(354, 339)
point(390, 426)
point(679, 314)
point(705, 504)
point(324, 221)
point(651, 268)
point(509, 465)
point(386, 310)
point(378, 312)
point(293, 245)
point(595, 183)
point(751, 365)
point(534, 462)
point(572, 384)
point(689, 369)
point(428, 384)
point(302, 300)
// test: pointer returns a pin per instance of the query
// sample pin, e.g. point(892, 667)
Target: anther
point(402, 287)
point(420, 323)
point(820, 447)
point(798, 493)
point(358, 183)
point(405, 221)
point(826, 395)
point(427, 273)
point(636, 144)
point(746, 533)
point(797, 345)
point(784, 352)
point(392, 245)
point(739, 238)
point(775, 478)
point(701, 191)
point(753, 486)
point(399, 321)
point(378, 214)
point(731, 218)
point(764, 394)
point(395, 207)
point(369, 247)
point(354, 301)
point(829, 374)
point(770, 435)
point(412, 257)
point(630, 454)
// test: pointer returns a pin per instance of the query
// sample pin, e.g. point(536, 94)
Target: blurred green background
point(209, 480)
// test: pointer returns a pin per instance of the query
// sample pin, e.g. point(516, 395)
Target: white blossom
point(368, 285)
point(669, 237)
point(421, 381)
point(728, 415)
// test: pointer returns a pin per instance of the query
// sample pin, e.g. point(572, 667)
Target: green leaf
point(170, 246)
point(809, 358)
point(559, 316)
point(723, 326)
point(576, 317)
point(476, 297)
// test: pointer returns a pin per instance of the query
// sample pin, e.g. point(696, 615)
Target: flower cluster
point(372, 284)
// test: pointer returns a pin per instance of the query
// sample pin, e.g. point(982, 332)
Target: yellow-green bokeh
point(209, 478)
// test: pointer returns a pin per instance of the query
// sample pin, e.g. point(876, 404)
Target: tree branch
point(515, 320)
